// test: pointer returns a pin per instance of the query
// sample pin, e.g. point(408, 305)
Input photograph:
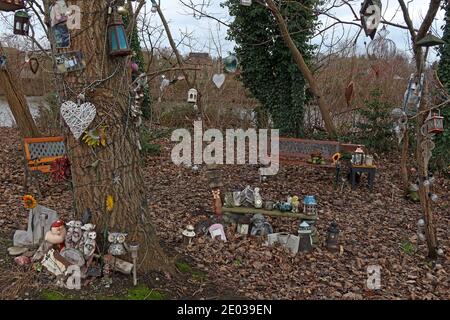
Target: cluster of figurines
point(251, 197)
point(71, 248)
point(305, 240)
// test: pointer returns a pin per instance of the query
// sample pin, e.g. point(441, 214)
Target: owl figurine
point(74, 234)
point(117, 243)
point(89, 244)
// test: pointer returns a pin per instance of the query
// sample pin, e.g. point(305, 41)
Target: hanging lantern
point(333, 237)
point(188, 234)
point(246, 3)
point(21, 23)
point(118, 42)
point(435, 122)
point(243, 225)
point(154, 6)
point(2, 62)
point(310, 206)
point(12, 5)
point(358, 157)
point(230, 63)
point(192, 96)
point(305, 242)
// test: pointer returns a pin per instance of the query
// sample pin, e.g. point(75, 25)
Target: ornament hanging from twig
point(78, 116)
point(219, 80)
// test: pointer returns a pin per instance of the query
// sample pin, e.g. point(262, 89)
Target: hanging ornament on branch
point(78, 116)
point(370, 16)
point(137, 93)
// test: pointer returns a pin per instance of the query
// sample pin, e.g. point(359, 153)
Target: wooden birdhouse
point(192, 96)
point(435, 122)
point(21, 23)
point(12, 5)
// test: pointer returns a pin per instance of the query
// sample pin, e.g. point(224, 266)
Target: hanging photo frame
point(58, 13)
point(70, 61)
point(62, 36)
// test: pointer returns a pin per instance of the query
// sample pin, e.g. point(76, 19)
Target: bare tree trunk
point(404, 161)
point(430, 229)
point(115, 169)
point(17, 102)
point(326, 116)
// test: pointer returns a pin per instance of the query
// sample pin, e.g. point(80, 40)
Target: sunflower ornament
point(109, 203)
point(95, 137)
point(29, 202)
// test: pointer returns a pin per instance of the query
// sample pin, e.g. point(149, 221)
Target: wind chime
point(137, 94)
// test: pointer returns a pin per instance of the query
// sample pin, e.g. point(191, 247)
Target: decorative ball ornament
point(230, 63)
point(78, 116)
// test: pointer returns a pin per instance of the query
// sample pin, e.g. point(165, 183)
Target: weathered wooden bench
point(40, 153)
point(299, 151)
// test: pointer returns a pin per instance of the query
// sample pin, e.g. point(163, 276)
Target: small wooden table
point(370, 170)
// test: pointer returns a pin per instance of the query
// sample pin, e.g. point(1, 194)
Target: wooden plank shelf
point(274, 213)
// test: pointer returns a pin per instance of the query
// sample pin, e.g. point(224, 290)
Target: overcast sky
point(181, 20)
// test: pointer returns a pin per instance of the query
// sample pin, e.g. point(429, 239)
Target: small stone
point(17, 251)
point(353, 296)
point(438, 266)
point(440, 252)
point(336, 294)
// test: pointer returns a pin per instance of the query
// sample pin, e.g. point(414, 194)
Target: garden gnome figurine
point(57, 234)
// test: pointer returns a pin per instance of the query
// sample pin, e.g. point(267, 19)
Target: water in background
point(6, 117)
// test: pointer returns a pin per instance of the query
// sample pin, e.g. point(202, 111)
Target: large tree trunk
point(120, 159)
point(17, 102)
point(303, 67)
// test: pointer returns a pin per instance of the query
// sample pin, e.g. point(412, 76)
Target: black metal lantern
point(118, 42)
point(333, 237)
point(11, 5)
point(21, 23)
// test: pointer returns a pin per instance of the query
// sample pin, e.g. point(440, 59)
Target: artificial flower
point(109, 203)
point(29, 202)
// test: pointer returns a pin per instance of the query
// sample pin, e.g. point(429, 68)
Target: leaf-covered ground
point(377, 228)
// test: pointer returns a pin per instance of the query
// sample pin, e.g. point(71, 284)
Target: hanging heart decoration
point(219, 80)
point(34, 65)
point(78, 116)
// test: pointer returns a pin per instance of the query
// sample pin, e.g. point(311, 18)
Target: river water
point(6, 117)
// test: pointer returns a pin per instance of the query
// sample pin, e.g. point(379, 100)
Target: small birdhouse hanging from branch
point(21, 23)
point(192, 95)
point(370, 16)
point(12, 5)
point(246, 3)
point(435, 122)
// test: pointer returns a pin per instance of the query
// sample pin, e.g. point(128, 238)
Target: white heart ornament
point(78, 116)
point(218, 80)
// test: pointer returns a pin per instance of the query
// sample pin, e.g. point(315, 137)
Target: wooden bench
point(40, 153)
point(299, 151)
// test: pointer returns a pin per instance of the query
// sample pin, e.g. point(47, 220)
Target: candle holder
point(133, 248)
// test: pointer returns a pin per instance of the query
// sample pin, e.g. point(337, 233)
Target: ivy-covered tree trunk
point(113, 170)
point(442, 150)
point(269, 67)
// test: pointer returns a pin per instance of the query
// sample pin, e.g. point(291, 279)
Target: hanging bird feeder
point(21, 23)
point(12, 5)
point(435, 122)
point(430, 41)
point(118, 42)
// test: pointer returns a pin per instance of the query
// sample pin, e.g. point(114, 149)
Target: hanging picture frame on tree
point(62, 36)
point(70, 61)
